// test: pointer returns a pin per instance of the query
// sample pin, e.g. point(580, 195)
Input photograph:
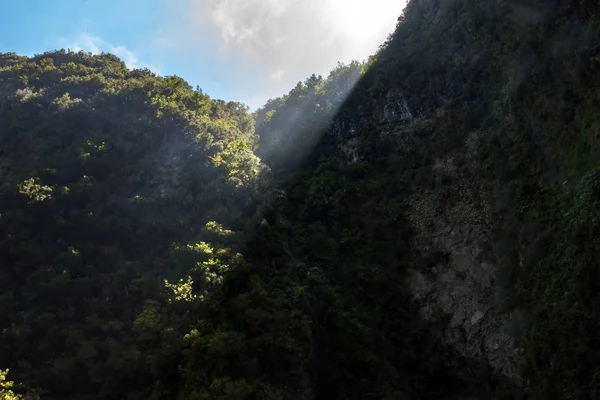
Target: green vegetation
point(108, 177)
point(521, 77)
point(159, 244)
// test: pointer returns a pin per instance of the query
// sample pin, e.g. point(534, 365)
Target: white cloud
point(96, 45)
point(284, 41)
point(277, 74)
point(89, 43)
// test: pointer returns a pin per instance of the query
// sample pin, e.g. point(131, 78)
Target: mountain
point(421, 225)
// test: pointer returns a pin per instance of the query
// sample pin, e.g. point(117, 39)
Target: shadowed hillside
point(421, 225)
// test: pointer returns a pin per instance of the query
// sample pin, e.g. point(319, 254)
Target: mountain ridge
point(420, 225)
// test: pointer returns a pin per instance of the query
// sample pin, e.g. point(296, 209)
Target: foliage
point(290, 127)
point(7, 389)
point(108, 183)
point(522, 77)
point(6, 392)
point(148, 255)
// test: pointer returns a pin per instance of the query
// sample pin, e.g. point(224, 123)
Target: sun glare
point(365, 20)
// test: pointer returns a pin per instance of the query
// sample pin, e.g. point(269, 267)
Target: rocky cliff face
point(476, 130)
point(454, 276)
point(460, 287)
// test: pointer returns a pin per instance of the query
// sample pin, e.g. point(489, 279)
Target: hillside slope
point(469, 147)
point(114, 186)
point(421, 225)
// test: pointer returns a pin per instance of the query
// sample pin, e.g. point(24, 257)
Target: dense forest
point(424, 224)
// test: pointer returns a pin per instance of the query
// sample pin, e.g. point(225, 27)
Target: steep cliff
point(475, 123)
point(421, 225)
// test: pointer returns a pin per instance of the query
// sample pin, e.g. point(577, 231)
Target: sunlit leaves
point(215, 227)
point(124, 158)
point(182, 290)
point(6, 387)
point(33, 189)
point(173, 96)
point(269, 115)
point(65, 102)
point(206, 265)
point(290, 126)
point(242, 166)
point(26, 94)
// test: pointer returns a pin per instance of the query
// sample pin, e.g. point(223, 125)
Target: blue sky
point(243, 50)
